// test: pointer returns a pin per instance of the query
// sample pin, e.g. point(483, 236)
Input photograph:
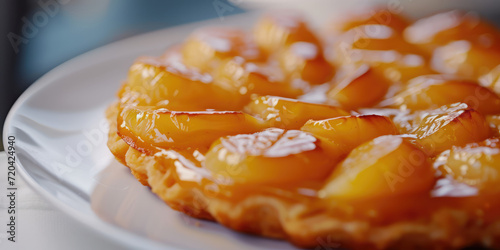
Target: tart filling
point(400, 148)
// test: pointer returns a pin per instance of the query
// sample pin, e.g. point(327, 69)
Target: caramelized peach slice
point(273, 156)
point(442, 28)
point(477, 164)
point(378, 16)
point(276, 31)
point(394, 65)
point(205, 48)
point(351, 131)
point(369, 42)
point(289, 113)
point(302, 60)
point(432, 91)
point(455, 124)
point(376, 37)
point(167, 82)
point(403, 119)
point(464, 59)
point(384, 167)
point(147, 129)
point(360, 86)
point(403, 67)
point(246, 78)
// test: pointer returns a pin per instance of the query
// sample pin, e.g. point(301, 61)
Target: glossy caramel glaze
point(381, 133)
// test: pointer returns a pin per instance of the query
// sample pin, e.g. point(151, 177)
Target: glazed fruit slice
point(403, 119)
point(432, 91)
point(167, 82)
point(360, 86)
point(375, 37)
point(371, 44)
point(349, 132)
point(476, 164)
point(277, 31)
point(368, 17)
point(465, 59)
point(384, 167)
point(441, 28)
point(455, 124)
point(273, 156)
point(394, 65)
point(243, 79)
point(205, 48)
point(305, 61)
point(147, 129)
point(400, 68)
point(289, 113)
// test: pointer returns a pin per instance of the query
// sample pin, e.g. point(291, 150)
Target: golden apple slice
point(273, 156)
point(465, 59)
point(402, 68)
point(432, 91)
point(206, 47)
point(243, 79)
point(369, 43)
point(455, 124)
point(384, 167)
point(350, 131)
point(360, 86)
point(167, 82)
point(477, 164)
point(442, 28)
point(394, 65)
point(146, 129)
point(289, 113)
point(376, 37)
point(277, 31)
point(305, 61)
point(404, 120)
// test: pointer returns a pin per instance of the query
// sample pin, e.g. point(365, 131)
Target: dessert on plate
point(378, 132)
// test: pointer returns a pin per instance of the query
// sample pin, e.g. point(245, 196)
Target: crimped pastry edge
point(278, 218)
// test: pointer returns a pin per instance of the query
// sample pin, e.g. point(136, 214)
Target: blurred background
point(38, 35)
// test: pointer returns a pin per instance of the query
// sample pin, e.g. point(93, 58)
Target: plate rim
point(106, 230)
point(111, 232)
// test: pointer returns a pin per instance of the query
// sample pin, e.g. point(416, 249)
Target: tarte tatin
point(380, 133)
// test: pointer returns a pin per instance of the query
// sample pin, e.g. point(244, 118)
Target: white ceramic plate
point(61, 136)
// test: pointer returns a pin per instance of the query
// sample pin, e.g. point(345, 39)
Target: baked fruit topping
point(348, 132)
point(385, 166)
point(476, 164)
point(290, 113)
point(205, 48)
point(381, 134)
point(455, 124)
point(454, 25)
point(432, 91)
point(360, 86)
point(147, 128)
point(263, 157)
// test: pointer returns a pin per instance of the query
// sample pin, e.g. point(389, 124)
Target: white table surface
point(40, 225)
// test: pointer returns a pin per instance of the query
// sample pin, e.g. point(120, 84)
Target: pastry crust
point(281, 218)
point(255, 133)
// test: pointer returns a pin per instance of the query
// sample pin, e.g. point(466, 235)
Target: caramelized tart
point(381, 134)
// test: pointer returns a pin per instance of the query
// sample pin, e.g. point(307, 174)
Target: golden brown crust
point(273, 217)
